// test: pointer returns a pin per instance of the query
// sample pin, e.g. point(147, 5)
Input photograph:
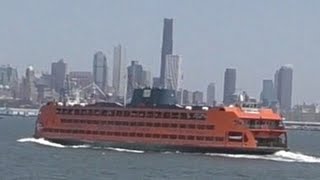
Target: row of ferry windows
point(133, 134)
point(142, 124)
point(140, 114)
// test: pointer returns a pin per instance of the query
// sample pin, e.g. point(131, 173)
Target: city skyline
point(286, 36)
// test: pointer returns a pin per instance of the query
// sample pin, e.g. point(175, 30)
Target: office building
point(100, 71)
point(167, 47)
point(229, 86)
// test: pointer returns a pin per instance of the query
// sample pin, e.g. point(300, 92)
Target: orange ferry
point(152, 121)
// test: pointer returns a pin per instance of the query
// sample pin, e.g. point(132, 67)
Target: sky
point(255, 37)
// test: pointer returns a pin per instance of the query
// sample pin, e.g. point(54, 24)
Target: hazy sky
point(256, 37)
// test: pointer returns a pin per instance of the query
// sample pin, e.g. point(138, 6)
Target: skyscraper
point(146, 78)
point(229, 85)
point(58, 75)
point(172, 72)
point(100, 73)
point(28, 88)
point(211, 91)
point(135, 75)
point(267, 95)
point(283, 78)
point(197, 98)
point(167, 46)
point(119, 78)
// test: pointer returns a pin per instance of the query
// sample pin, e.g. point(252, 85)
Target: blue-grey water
point(22, 157)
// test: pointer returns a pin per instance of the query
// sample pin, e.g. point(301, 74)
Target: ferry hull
point(173, 148)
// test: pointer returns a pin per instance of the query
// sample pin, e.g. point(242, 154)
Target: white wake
point(282, 156)
point(45, 142)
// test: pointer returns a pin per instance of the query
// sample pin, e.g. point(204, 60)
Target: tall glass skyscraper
point(283, 84)
point(100, 74)
point(167, 46)
point(229, 85)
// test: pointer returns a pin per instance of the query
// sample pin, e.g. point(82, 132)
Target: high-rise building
point(81, 78)
point(58, 75)
point(100, 70)
point(135, 75)
point(167, 46)
point(197, 98)
point(119, 77)
point(187, 97)
point(172, 72)
point(229, 86)
point(9, 80)
point(28, 88)
point(211, 91)
point(146, 78)
point(283, 79)
point(267, 95)
point(156, 82)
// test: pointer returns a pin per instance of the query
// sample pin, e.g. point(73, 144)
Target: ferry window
point(134, 114)
point(90, 112)
point(165, 125)
point(125, 123)
point(94, 132)
point(126, 113)
point(103, 122)
point(173, 136)
point(88, 132)
point(140, 123)
point(68, 131)
point(182, 137)
point(183, 115)
point(149, 124)
point(175, 115)
point(166, 115)
point(76, 121)
point(190, 137)
point(83, 112)
point(210, 127)
point(110, 113)
point(191, 126)
point(174, 125)
point(102, 133)
point(119, 113)
point(191, 116)
point(208, 138)
point(132, 134)
point(156, 124)
point(76, 112)
point(150, 114)
point(148, 135)
point(139, 134)
point(164, 136)
point(74, 131)
point(200, 126)
point(81, 131)
point(97, 112)
point(83, 121)
point(141, 114)
point(58, 110)
point(95, 122)
point(157, 114)
point(104, 113)
point(156, 135)
point(219, 138)
point(182, 126)
point(117, 133)
point(124, 134)
point(110, 122)
point(118, 123)
point(200, 138)
point(109, 133)
point(132, 123)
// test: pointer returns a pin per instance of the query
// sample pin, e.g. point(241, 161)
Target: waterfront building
point(135, 75)
point(229, 86)
point(100, 71)
point(187, 97)
point(167, 47)
point(211, 90)
point(197, 98)
point(283, 79)
point(172, 72)
point(267, 95)
point(58, 75)
point(146, 78)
